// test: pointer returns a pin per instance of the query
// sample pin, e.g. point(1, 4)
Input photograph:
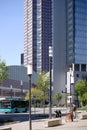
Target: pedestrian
point(74, 110)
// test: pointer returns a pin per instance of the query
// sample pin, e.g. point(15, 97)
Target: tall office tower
point(59, 45)
point(37, 33)
point(77, 33)
point(70, 42)
point(76, 12)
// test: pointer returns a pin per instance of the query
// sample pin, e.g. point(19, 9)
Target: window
point(83, 67)
point(77, 75)
point(76, 67)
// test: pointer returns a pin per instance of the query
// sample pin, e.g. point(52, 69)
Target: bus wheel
point(5, 112)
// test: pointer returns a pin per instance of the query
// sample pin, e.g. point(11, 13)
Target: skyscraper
point(77, 32)
point(62, 24)
point(37, 33)
point(70, 42)
point(59, 46)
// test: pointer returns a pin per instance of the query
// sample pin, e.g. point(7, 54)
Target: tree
point(84, 99)
point(43, 83)
point(36, 94)
point(3, 71)
point(81, 89)
point(58, 97)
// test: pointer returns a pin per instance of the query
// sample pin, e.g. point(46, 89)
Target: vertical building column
point(86, 67)
point(80, 67)
point(73, 67)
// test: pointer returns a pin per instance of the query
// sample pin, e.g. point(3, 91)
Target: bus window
point(5, 105)
point(13, 105)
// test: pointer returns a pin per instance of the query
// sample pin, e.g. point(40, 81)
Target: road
point(25, 116)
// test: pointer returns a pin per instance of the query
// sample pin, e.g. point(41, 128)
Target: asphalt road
point(37, 113)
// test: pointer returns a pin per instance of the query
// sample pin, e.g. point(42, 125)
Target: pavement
point(77, 124)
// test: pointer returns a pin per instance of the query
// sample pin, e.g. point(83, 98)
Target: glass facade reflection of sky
point(81, 31)
point(77, 31)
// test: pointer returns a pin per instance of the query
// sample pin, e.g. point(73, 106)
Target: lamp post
point(21, 89)
point(50, 90)
point(65, 94)
point(29, 72)
point(71, 111)
point(11, 90)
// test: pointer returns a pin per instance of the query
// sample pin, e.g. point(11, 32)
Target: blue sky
point(11, 31)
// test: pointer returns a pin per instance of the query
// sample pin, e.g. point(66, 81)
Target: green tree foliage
point(3, 71)
point(58, 97)
point(42, 83)
point(84, 99)
point(36, 94)
point(81, 87)
point(81, 90)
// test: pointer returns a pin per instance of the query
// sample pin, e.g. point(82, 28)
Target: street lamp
point(65, 94)
point(11, 90)
point(71, 111)
point(29, 72)
point(50, 90)
point(21, 89)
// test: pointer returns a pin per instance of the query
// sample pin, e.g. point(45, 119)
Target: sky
point(11, 31)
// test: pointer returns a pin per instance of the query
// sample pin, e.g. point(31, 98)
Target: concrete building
point(17, 83)
point(59, 46)
point(37, 33)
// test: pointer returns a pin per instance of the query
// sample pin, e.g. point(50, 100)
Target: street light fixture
point(29, 72)
point(21, 89)
point(50, 90)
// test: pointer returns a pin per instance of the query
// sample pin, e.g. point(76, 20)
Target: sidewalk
point(77, 124)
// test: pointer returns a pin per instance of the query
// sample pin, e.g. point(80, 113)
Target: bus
point(13, 105)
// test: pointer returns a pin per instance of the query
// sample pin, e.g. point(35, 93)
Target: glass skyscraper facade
point(63, 24)
point(77, 31)
point(81, 31)
point(69, 42)
point(37, 33)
